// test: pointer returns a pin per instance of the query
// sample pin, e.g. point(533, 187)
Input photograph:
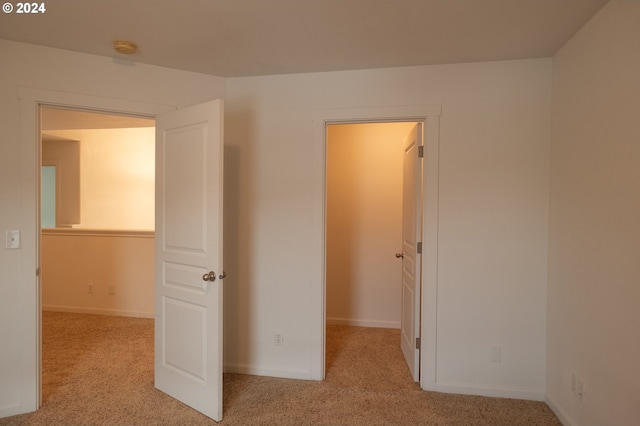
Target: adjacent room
point(97, 244)
point(97, 258)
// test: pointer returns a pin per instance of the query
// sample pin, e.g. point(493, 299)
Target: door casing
point(429, 116)
point(30, 299)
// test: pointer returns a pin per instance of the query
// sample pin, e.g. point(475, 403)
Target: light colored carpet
point(98, 370)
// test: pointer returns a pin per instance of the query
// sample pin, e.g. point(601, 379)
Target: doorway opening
point(187, 132)
point(96, 233)
point(364, 236)
point(31, 101)
point(96, 229)
point(428, 116)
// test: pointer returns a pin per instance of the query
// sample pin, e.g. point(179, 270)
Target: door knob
point(211, 276)
point(399, 255)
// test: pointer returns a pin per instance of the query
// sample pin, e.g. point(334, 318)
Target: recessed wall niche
point(64, 155)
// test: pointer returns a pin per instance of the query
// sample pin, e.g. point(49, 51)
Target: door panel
point(184, 351)
point(184, 177)
point(188, 326)
point(411, 261)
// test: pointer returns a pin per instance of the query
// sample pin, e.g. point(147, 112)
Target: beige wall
point(116, 177)
point(73, 260)
point(594, 272)
point(364, 223)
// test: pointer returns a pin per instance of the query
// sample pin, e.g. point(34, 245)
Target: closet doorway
point(365, 285)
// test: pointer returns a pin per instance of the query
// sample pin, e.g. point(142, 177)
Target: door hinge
point(419, 248)
point(37, 272)
point(417, 343)
point(421, 151)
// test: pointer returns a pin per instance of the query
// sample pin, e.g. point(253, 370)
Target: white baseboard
point(97, 311)
point(11, 409)
point(557, 411)
point(269, 372)
point(490, 391)
point(363, 323)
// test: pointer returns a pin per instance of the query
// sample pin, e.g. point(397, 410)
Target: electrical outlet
point(112, 289)
point(278, 338)
point(90, 288)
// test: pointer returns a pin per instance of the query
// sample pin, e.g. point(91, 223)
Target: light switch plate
point(12, 240)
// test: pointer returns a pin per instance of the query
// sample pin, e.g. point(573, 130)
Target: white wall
point(74, 259)
point(364, 223)
point(36, 67)
point(594, 272)
point(494, 147)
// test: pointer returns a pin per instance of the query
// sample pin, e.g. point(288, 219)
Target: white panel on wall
point(48, 197)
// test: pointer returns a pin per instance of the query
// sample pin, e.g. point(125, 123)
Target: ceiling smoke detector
point(125, 47)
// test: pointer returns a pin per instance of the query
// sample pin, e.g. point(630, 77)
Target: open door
point(411, 250)
point(188, 265)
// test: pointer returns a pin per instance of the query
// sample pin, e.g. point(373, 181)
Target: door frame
point(429, 115)
point(30, 297)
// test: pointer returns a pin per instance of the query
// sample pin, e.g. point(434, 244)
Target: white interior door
point(188, 266)
point(411, 261)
